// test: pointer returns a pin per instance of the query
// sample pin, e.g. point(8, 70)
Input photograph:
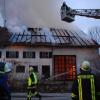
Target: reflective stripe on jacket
point(92, 85)
point(32, 79)
point(84, 88)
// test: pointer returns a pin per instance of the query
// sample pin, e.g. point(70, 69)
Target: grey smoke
point(48, 34)
point(17, 29)
point(34, 13)
point(1, 21)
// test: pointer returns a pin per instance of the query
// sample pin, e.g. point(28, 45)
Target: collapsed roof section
point(51, 37)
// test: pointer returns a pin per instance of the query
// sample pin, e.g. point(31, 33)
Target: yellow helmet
point(85, 66)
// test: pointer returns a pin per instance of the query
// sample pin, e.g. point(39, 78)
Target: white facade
point(80, 53)
point(27, 61)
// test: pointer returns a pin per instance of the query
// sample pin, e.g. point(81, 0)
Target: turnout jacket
point(86, 87)
point(32, 79)
point(32, 85)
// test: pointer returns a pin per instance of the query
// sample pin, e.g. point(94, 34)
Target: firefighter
point(32, 84)
point(86, 86)
point(5, 91)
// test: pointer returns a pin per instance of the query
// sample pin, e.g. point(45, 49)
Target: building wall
point(81, 54)
point(27, 61)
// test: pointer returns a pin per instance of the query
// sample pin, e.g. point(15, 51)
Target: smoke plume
point(34, 13)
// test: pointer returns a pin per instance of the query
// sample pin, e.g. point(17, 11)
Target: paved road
point(45, 96)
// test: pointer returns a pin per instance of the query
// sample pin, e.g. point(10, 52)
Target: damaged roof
point(51, 37)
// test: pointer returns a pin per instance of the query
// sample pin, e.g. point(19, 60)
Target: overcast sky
point(46, 13)
point(84, 22)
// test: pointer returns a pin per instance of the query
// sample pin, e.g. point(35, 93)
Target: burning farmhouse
point(50, 51)
point(49, 45)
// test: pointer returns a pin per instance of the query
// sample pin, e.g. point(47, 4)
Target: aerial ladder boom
point(68, 14)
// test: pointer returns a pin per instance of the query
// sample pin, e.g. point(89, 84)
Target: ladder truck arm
point(68, 14)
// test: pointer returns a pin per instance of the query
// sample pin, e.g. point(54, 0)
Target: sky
point(83, 22)
point(46, 13)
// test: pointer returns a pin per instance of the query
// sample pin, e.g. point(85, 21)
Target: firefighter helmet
point(85, 66)
point(31, 69)
point(7, 68)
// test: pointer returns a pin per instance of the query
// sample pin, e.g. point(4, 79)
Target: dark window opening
point(45, 54)
point(12, 54)
point(28, 54)
point(20, 69)
point(45, 71)
point(35, 68)
point(2, 66)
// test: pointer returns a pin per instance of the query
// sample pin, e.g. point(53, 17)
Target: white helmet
point(7, 68)
point(85, 66)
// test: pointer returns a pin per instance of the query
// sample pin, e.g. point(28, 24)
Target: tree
point(5, 35)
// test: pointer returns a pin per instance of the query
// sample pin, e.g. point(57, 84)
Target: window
point(28, 54)
point(2, 66)
point(20, 69)
point(45, 54)
point(0, 54)
point(65, 66)
point(12, 54)
point(46, 71)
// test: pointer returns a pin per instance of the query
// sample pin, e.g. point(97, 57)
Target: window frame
point(35, 67)
point(45, 54)
point(46, 71)
point(29, 54)
point(12, 54)
point(18, 70)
